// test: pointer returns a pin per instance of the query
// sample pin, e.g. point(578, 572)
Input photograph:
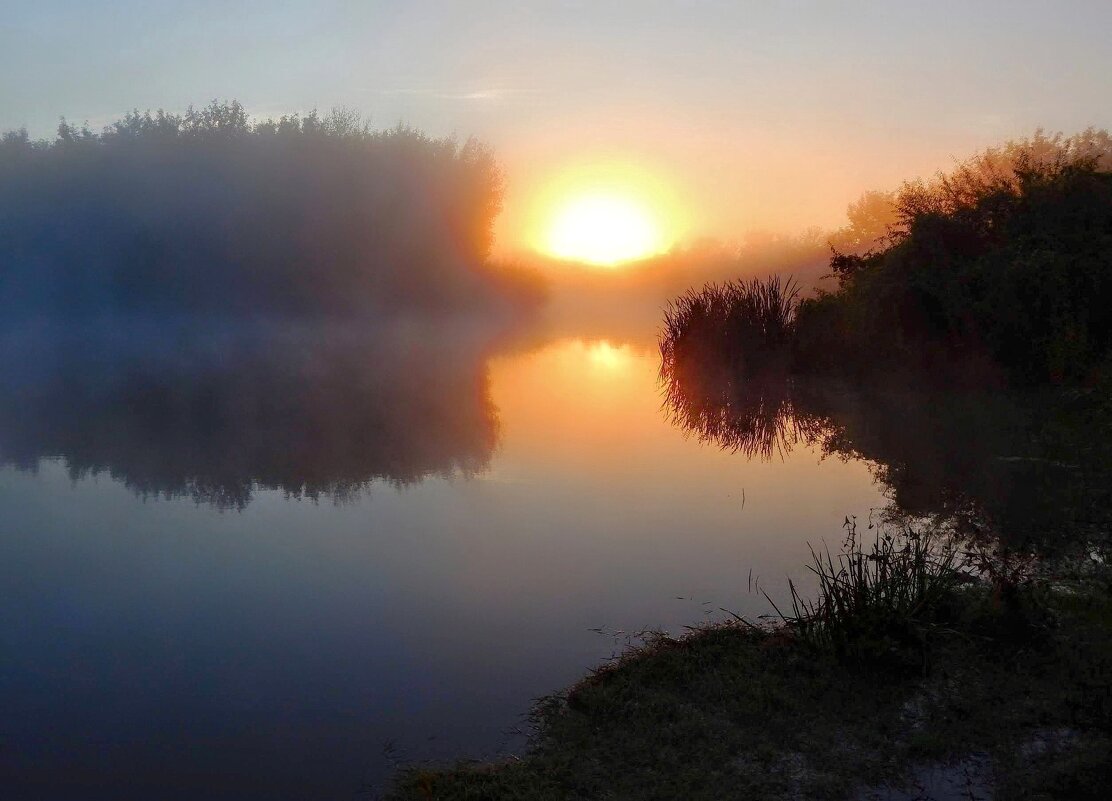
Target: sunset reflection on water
point(437, 607)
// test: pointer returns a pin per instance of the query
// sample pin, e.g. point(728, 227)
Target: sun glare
point(605, 213)
point(609, 357)
point(604, 229)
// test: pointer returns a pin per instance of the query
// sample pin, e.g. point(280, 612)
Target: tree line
point(209, 212)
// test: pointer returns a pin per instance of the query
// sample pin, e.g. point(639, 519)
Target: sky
point(733, 116)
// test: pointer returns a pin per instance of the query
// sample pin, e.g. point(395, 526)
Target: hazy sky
point(749, 114)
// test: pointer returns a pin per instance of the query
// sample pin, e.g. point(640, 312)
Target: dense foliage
point(1007, 261)
point(1002, 268)
point(209, 212)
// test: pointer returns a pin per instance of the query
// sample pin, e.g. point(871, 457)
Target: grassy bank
point(1011, 672)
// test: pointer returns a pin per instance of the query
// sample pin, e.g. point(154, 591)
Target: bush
point(1004, 265)
point(1006, 259)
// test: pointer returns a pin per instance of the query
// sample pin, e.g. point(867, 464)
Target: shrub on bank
point(1004, 263)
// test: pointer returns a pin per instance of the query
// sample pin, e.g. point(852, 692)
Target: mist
point(212, 214)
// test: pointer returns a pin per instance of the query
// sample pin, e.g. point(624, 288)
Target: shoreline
point(1002, 699)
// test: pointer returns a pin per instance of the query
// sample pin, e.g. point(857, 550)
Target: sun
point(604, 228)
point(605, 212)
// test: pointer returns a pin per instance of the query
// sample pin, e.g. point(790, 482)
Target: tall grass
point(747, 320)
point(871, 603)
point(723, 358)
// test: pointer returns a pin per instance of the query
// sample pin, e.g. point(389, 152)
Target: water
point(189, 612)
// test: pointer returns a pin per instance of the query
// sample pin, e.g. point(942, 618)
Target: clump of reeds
point(877, 602)
point(724, 364)
point(747, 321)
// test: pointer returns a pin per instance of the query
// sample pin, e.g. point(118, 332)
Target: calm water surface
point(189, 612)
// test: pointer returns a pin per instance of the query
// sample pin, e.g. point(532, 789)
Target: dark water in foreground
point(272, 572)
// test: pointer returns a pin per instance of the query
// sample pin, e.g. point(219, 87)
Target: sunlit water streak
point(167, 648)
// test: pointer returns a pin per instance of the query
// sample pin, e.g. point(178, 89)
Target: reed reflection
point(219, 414)
point(983, 462)
point(758, 416)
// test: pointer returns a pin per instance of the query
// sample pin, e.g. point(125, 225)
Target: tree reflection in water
point(1028, 471)
point(215, 415)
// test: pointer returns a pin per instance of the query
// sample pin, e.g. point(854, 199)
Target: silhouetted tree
point(1007, 259)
